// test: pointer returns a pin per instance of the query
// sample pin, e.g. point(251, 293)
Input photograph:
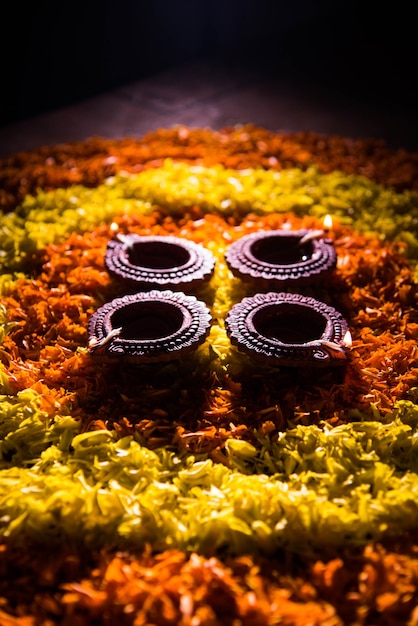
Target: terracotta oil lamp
point(285, 329)
point(158, 262)
point(148, 327)
point(277, 259)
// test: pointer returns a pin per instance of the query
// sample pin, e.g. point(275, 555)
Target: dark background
point(57, 53)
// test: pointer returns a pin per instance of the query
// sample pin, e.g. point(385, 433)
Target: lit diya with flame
point(286, 329)
point(280, 258)
point(158, 262)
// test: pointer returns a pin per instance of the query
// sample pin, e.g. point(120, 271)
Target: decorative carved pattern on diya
point(278, 258)
point(161, 262)
point(149, 326)
point(287, 329)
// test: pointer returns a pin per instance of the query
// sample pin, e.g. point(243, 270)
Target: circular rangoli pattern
point(214, 488)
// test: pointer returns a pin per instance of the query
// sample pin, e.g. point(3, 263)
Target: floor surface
point(210, 94)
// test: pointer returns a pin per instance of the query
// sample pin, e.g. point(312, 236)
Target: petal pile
point(212, 490)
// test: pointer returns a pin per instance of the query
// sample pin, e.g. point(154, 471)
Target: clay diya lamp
point(285, 329)
point(148, 327)
point(158, 262)
point(277, 259)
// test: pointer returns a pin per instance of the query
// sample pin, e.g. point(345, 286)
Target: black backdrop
point(57, 53)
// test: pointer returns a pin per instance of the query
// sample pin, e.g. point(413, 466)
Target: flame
point(347, 340)
point(114, 227)
point(328, 222)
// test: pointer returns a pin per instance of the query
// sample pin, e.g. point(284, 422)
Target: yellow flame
point(328, 222)
point(347, 340)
